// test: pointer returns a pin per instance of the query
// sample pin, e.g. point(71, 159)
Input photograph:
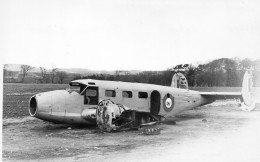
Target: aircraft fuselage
point(64, 106)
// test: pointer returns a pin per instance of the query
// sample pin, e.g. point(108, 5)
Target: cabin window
point(127, 94)
point(142, 94)
point(91, 92)
point(91, 96)
point(110, 93)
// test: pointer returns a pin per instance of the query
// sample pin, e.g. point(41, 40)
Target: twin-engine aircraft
point(91, 102)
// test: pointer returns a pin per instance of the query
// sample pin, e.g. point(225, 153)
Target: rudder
point(247, 86)
point(179, 81)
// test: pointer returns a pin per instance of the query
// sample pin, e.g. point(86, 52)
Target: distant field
point(16, 96)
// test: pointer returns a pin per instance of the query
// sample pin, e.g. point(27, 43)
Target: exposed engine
point(111, 117)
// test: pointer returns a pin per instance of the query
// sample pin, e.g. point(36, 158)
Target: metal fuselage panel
point(183, 99)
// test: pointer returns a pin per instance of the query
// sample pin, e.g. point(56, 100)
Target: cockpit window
point(77, 89)
point(74, 88)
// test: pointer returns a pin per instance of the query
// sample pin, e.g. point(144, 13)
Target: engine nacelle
point(61, 106)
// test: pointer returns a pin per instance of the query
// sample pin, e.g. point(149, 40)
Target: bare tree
point(24, 70)
point(53, 73)
point(61, 76)
point(44, 74)
point(5, 70)
point(9, 74)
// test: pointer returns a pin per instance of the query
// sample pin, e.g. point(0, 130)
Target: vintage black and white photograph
point(130, 80)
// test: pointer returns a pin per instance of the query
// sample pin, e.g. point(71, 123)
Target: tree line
point(221, 72)
point(52, 75)
point(45, 76)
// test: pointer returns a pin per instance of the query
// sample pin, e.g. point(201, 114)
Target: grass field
point(16, 96)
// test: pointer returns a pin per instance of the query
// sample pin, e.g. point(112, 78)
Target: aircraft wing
point(222, 95)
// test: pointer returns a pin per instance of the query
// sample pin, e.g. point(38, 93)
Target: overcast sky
point(126, 35)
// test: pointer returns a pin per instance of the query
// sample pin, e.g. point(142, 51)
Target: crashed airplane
point(95, 102)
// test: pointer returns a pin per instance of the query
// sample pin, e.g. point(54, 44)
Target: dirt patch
point(29, 139)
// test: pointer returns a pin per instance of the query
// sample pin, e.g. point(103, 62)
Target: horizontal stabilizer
point(245, 95)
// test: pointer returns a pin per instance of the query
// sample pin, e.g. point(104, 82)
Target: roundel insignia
point(168, 102)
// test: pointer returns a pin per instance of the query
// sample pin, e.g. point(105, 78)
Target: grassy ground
point(16, 97)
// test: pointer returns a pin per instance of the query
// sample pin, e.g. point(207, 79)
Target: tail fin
point(247, 85)
point(179, 81)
